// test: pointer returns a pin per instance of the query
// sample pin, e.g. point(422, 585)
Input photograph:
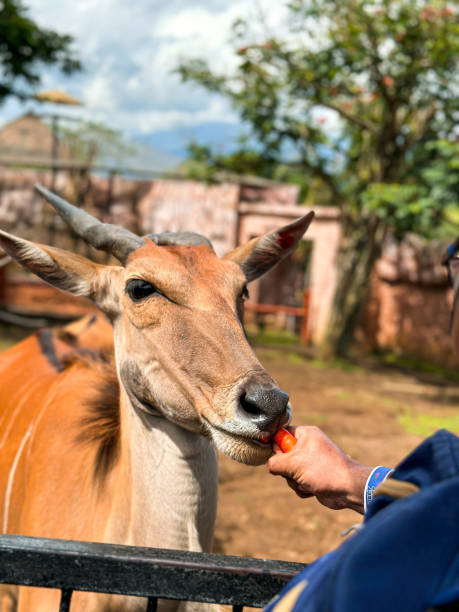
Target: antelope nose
point(265, 407)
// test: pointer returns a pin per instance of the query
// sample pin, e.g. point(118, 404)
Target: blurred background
point(230, 120)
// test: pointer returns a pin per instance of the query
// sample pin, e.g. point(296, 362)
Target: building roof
point(29, 137)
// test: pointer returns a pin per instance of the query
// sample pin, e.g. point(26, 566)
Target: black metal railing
point(142, 572)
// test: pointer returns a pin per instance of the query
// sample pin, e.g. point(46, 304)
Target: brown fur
point(101, 425)
point(159, 473)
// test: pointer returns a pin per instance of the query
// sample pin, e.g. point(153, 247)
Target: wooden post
point(304, 334)
point(54, 149)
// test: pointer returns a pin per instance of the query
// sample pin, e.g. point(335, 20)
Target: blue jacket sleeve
point(406, 557)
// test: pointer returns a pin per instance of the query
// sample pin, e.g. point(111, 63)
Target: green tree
point(90, 142)
point(388, 71)
point(25, 48)
point(204, 164)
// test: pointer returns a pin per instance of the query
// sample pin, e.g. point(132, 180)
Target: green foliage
point(388, 72)
point(25, 48)
point(206, 165)
point(413, 363)
point(296, 358)
point(388, 69)
point(268, 337)
point(425, 424)
point(428, 202)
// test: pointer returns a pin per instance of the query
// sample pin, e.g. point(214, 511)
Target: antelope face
point(181, 351)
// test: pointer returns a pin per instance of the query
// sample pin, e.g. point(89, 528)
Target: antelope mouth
point(263, 439)
point(248, 448)
point(263, 442)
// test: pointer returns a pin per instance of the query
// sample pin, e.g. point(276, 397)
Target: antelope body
point(127, 453)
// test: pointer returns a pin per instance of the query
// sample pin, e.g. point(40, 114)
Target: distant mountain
point(147, 157)
point(218, 135)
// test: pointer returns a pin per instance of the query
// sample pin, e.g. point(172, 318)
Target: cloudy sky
point(129, 50)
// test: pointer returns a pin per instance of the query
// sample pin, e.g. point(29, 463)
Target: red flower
point(428, 13)
point(388, 81)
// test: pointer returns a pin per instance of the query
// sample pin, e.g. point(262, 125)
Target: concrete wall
point(407, 311)
point(324, 232)
point(26, 213)
point(410, 320)
point(228, 214)
point(231, 214)
point(211, 210)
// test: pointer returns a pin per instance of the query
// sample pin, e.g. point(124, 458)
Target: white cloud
point(130, 49)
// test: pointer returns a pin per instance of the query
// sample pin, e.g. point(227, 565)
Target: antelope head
point(181, 351)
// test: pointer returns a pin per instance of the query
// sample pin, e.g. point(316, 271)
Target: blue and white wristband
point(376, 477)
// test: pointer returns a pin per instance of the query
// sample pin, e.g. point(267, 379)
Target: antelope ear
point(263, 252)
point(60, 268)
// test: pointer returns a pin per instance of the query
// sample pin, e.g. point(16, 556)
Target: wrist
point(347, 487)
point(357, 479)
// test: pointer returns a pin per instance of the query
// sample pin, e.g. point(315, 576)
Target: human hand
point(316, 467)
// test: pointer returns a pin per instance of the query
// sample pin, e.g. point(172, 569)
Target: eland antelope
point(127, 453)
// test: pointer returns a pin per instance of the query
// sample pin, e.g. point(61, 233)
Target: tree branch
point(374, 59)
point(366, 125)
point(320, 172)
point(418, 133)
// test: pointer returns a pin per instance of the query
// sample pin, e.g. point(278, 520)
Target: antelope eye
point(138, 290)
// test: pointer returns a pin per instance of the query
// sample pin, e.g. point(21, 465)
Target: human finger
point(279, 465)
point(300, 490)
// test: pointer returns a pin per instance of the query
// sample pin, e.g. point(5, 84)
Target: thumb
point(278, 465)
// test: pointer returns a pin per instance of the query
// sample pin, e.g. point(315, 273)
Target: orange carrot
point(285, 440)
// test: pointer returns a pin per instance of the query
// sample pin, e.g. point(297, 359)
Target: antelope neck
point(170, 480)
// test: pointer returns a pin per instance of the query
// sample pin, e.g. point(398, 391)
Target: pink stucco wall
point(407, 310)
point(230, 214)
point(211, 210)
point(324, 232)
point(409, 320)
point(409, 303)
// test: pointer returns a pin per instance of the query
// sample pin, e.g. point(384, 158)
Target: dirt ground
point(375, 414)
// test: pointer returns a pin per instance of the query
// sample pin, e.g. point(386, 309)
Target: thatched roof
point(57, 97)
